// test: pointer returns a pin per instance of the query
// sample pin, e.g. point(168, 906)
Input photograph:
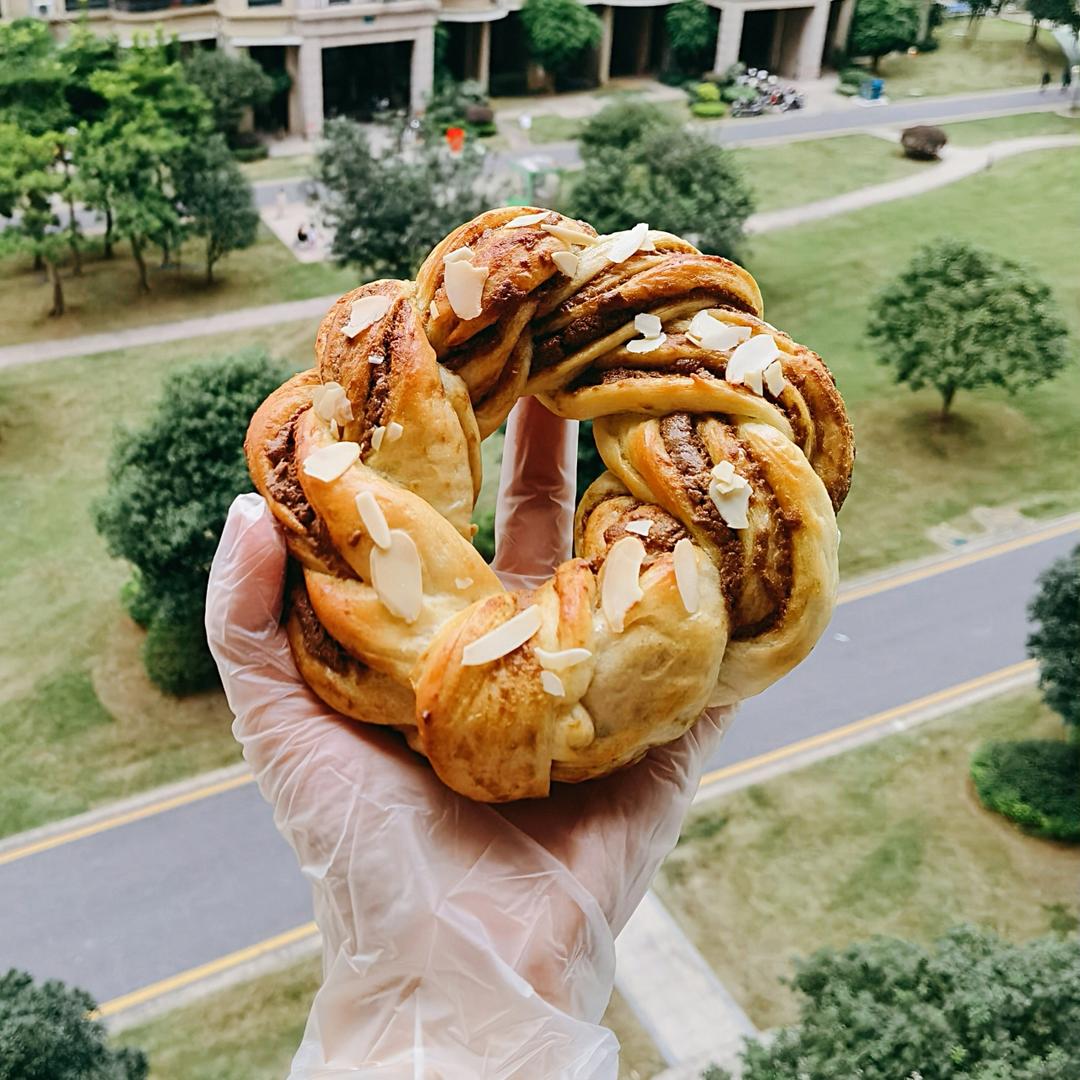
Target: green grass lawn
point(550, 127)
point(250, 1032)
point(790, 174)
point(79, 722)
point(887, 839)
point(980, 132)
point(998, 57)
point(279, 168)
point(106, 296)
point(1001, 449)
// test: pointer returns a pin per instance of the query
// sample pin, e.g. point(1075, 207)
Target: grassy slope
point(992, 128)
point(790, 174)
point(1021, 449)
point(106, 296)
point(250, 1032)
point(79, 723)
point(887, 839)
point(998, 57)
point(279, 168)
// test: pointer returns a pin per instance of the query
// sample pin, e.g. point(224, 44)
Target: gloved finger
point(534, 515)
point(613, 833)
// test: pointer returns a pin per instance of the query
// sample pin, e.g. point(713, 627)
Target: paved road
point(129, 906)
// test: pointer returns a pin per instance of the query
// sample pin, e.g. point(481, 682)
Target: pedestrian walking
point(1066, 79)
point(1045, 82)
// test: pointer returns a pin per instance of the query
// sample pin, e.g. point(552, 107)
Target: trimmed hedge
point(1034, 782)
point(709, 109)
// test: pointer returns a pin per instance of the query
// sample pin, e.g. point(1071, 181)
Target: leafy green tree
point(232, 84)
point(675, 180)
point(81, 55)
point(389, 210)
point(968, 1007)
point(216, 199)
point(880, 27)
point(691, 29)
point(1055, 642)
point(46, 1034)
point(33, 81)
point(170, 485)
point(977, 10)
point(617, 126)
point(1055, 12)
point(959, 318)
point(559, 31)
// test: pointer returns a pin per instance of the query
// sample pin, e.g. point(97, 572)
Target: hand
point(459, 939)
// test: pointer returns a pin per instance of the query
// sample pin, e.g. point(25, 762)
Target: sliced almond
point(504, 639)
point(624, 244)
point(462, 582)
point(566, 261)
point(732, 499)
point(648, 325)
point(552, 684)
point(686, 574)
point(723, 472)
point(459, 254)
point(620, 590)
point(329, 462)
point(526, 219)
point(569, 235)
point(465, 287)
point(335, 431)
point(710, 333)
point(376, 358)
point(774, 378)
point(560, 659)
point(393, 431)
point(644, 345)
point(377, 435)
point(433, 310)
point(373, 519)
point(364, 313)
point(750, 359)
point(642, 528)
point(397, 577)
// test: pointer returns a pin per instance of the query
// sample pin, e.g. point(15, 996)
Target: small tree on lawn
point(216, 198)
point(46, 1034)
point(1055, 643)
point(691, 29)
point(389, 210)
point(1062, 12)
point(883, 26)
point(969, 1007)
point(232, 84)
point(558, 32)
point(619, 125)
point(959, 318)
point(170, 485)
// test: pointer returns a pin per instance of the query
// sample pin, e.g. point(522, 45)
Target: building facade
point(352, 56)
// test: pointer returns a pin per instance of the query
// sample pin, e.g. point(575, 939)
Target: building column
point(808, 63)
point(843, 24)
point(310, 80)
point(776, 53)
point(603, 53)
point(644, 40)
point(483, 74)
point(729, 37)
point(422, 71)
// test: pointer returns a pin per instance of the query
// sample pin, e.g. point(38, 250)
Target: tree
point(617, 126)
point(46, 1034)
point(33, 82)
point(968, 1007)
point(977, 10)
point(389, 210)
point(883, 26)
point(170, 483)
point(559, 31)
point(698, 192)
point(691, 31)
point(232, 84)
point(216, 198)
point(1063, 12)
point(1055, 642)
point(82, 54)
point(959, 318)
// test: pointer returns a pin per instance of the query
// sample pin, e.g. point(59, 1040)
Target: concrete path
point(957, 163)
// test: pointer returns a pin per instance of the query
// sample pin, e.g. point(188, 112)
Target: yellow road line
point(921, 573)
point(939, 697)
point(203, 971)
point(126, 818)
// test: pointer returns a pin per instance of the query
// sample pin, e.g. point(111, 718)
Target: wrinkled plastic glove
point(460, 940)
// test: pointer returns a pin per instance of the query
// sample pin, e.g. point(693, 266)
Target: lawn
point(998, 57)
point(279, 168)
point(981, 132)
point(793, 173)
point(250, 1032)
point(887, 839)
point(1001, 449)
point(80, 723)
point(550, 127)
point(106, 296)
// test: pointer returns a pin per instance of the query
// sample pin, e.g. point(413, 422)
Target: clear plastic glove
point(460, 940)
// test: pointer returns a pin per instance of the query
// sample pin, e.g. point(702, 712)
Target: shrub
point(559, 31)
point(708, 109)
point(847, 90)
point(854, 76)
point(170, 483)
point(923, 142)
point(705, 92)
point(620, 125)
point(731, 94)
point(251, 153)
point(46, 1034)
point(1035, 782)
point(691, 31)
point(1056, 641)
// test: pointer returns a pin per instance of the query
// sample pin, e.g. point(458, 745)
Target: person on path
point(1066, 79)
point(1045, 82)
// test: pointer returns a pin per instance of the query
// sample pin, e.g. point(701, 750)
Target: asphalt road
point(138, 903)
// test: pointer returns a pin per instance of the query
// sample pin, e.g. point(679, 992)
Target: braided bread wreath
point(706, 555)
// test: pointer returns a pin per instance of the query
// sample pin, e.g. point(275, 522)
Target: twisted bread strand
point(706, 563)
